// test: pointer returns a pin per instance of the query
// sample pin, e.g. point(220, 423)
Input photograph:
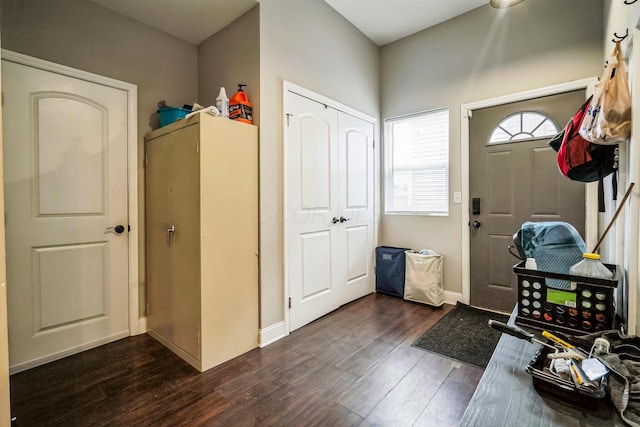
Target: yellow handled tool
point(548, 335)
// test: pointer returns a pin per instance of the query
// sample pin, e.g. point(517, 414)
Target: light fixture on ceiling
point(502, 4)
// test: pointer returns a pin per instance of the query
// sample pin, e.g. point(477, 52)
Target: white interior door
point(329, 208)
point(65, 142)
point(311, 209)
point(356, 206)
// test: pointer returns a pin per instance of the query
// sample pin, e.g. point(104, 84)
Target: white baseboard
point(453, 297)
point(142, 325)
point(272, 333)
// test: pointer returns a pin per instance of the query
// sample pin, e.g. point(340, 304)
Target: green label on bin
point(555, 296)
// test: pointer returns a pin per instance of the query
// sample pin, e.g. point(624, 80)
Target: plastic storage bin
point(424, 278)
point(169, 115)
point(390, 270)
point(582, 305)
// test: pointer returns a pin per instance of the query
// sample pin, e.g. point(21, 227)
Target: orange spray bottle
point(240, 108)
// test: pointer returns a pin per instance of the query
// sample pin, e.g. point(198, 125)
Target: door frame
point(136, 325)
point(321, 99)
point(466, 111)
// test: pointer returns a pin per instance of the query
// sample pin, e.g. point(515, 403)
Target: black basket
point(587, 399)
point(567, 303)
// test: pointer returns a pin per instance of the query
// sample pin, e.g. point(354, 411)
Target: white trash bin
point(424, 278)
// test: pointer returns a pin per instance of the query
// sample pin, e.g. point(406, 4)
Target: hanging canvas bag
point(608, 120)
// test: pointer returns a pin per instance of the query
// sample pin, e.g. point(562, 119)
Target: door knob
point(476, 224)
point(118, 229)
point(343, 219)
point(334, 220)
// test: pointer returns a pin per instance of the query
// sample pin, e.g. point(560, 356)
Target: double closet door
point(329, 208)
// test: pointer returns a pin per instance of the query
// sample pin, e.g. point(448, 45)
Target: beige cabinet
point(201, 182)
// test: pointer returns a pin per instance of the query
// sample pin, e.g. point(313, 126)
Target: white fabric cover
point(424, 278)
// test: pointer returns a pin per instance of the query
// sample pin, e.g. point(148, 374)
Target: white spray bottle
point(222, 103)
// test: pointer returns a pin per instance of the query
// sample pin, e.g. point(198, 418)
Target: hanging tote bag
point(588, 127)
point(608, 120)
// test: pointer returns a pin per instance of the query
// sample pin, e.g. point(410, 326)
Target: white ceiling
point(383, 21)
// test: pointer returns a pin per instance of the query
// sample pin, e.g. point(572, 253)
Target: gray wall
point(83, 35)
point(483, 54)
point(307, 43)
point(229, 57)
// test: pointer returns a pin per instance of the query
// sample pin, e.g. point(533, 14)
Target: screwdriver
point(517, 332)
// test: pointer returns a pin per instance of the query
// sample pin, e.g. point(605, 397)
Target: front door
point(65, 165)
point(329, 205)
point(514, 178)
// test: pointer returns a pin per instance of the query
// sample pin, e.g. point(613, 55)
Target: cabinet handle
point(170, 232)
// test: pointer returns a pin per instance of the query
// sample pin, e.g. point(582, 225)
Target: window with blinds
point(417, 164)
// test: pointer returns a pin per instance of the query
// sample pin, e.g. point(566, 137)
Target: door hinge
point(197, 145)
point(288, 118)
point(468, 114)
point(198, 337)
point(289, 302)
point(147, 310)
point(146, 159)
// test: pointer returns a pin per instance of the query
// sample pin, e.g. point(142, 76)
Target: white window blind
point(417, 164)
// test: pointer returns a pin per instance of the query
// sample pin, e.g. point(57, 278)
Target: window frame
point(512, 139)
point(389, 166)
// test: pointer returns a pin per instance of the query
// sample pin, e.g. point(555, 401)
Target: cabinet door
point(173, 267)
point(184, 250)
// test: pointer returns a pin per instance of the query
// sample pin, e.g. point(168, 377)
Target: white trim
point(272, 333)
point(132, 160)
point(291, 87)
point(142, 325)
point(632, 211)
point(299, 90)
point(466, 110)
point(453, 297)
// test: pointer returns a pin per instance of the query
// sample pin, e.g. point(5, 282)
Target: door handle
point(476, 224)
point(170, 232)
point(335, 220)
point(118, 229)
point(343, 219)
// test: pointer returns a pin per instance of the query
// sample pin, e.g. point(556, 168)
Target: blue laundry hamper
point(390, 270)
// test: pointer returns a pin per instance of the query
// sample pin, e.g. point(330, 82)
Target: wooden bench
point(505, 395)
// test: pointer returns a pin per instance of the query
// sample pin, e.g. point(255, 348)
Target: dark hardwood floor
point(355, 366)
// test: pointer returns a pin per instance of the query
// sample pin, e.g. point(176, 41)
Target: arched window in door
point(523, 125)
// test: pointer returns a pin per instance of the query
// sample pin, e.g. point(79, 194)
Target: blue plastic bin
point(169, 115)
point(390, 270)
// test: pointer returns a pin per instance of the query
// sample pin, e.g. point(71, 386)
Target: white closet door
point(356, 207)
point(329, 209)
point(311, 206)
